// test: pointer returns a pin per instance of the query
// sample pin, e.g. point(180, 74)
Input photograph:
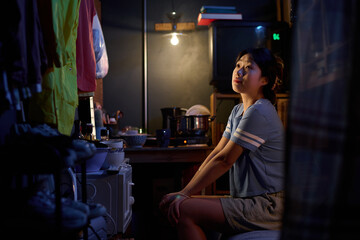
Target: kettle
point(169, 115)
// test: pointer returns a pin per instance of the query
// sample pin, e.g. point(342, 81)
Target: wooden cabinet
point(282, 106)
point(217, 128)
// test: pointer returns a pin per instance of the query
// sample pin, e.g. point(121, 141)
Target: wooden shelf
point(213, 103)
point(226, 96)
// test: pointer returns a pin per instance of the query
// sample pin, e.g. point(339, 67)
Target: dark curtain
point(323, 157)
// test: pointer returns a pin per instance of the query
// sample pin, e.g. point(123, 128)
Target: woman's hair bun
point(279, 72)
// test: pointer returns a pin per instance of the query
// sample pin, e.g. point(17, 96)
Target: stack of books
point(209, 14)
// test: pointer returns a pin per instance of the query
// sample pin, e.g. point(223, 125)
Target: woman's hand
point(170, 206)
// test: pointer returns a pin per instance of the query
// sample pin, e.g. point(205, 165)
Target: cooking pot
point(169, 118)
point(193, 125)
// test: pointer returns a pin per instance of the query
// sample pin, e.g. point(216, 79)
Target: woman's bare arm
point(222, 143)
point(214, 167)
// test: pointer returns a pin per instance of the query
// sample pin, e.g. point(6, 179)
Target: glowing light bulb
point(174, 39)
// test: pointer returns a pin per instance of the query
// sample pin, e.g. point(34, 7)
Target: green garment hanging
point(57, 102)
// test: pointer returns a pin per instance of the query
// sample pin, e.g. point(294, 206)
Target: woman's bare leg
point(197, 214)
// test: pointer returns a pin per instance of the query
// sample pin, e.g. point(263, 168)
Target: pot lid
point(197, 110)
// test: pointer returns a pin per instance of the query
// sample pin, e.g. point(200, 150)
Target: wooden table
point(186, 159)
point(156, 172)
point(181, 154)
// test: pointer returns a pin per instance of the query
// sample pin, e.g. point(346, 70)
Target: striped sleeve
point(227, 131)
point(251, 131)
point(248, 137)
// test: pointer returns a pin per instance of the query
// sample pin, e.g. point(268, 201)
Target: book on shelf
point(218, 9)
point(207, 18)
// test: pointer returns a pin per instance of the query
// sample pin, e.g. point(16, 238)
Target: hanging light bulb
point(174, 39)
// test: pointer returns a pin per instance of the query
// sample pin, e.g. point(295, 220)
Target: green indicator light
point(276, 36)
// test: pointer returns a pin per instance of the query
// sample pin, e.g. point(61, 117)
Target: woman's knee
point(202, 212)
point(194, 210)
point(187, 226)
point(190, 213)
point(185, 210)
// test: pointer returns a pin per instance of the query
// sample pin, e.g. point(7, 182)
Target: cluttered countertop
point(182, 138)
point(170, 148)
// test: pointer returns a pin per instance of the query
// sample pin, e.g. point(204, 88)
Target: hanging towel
point(85, 56)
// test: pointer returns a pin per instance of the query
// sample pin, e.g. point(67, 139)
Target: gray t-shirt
point(260, 168)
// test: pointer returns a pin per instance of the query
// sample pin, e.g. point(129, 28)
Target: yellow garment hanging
point(57, 102)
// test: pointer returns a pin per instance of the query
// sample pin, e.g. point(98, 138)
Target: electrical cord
point(112, 221)
point(95, 233)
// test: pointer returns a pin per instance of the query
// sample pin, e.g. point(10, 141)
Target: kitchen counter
point(180, 154)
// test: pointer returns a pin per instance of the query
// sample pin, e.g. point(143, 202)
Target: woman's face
point(247, 77)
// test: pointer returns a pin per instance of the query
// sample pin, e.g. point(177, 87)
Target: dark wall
point(122, 28)
point(177, 75)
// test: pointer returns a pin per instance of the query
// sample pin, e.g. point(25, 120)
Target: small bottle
point(88, 132)
point(104, 134)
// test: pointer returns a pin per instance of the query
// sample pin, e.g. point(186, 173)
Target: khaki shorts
point(263, 212)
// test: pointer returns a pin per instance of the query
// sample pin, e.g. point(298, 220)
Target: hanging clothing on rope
point(85, 56)
point(57, 102)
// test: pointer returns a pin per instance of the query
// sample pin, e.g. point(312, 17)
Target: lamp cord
point(173, 5)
